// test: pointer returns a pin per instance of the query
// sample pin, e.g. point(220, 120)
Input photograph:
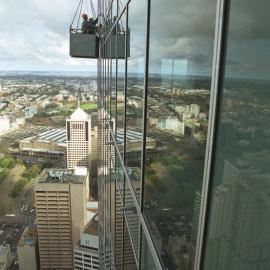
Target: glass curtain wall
point(237, 232)
point(155, 77)
point(155, 71)
point(179, 81)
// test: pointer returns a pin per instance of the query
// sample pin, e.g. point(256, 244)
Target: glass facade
point(237, 235)
point(183, 175)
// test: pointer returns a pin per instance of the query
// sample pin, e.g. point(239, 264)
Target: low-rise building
point(29, 112)
point(4, 124)
point(134, 144)
point(5, 257)
point(172, 124)
point(50, 144)
point(86, 253)
point(27, 248)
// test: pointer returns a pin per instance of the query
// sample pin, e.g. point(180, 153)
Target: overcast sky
point(34, 34)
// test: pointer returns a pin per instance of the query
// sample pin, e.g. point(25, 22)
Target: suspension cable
point(75, 14)
point(93, 9)
point(80, 14)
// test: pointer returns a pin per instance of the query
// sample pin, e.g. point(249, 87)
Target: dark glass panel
point(238, 226)
point(180, 64)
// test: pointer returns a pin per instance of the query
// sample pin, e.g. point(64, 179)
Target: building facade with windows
point(78, 128)
point(202, 202)
point(60, 197)
point(86, 253)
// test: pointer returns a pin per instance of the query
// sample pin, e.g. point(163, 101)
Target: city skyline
point(152, 156)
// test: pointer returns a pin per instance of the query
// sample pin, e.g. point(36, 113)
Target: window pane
point(181, 49)
point(132, 219)
point(121, 5)
point(135, 86)
point(120, 98)
point(147, 261)
point(238, 227)
point(113, 87)
point(114, 8)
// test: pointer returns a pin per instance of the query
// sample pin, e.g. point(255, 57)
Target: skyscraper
point(60, 196)
point(189, 199)
point(149, 172)
point(78, 127)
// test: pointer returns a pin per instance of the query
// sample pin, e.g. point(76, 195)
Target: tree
point(8, 162)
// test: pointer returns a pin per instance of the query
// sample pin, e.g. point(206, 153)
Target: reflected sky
point(238, 225)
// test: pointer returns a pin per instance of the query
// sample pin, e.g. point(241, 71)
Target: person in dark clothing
point(85, 24)
point(117, 28)
point(94, 22)
point(92, 25)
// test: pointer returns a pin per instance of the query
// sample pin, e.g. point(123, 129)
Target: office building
point(78, 128)
point(94, 159)
point(27, 248)
point(146, 206)
point(60, 196)
point(203, 201)
point(86, 253)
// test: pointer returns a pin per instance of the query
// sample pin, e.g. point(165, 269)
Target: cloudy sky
point(34, 35)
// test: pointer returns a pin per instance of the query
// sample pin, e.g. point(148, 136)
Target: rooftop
point(28, 237)
point(132, 136)
point(4, 250)
point(92, 205)
point(79, 115)
point(63, 176)
point(57, 135)
point(92, 226)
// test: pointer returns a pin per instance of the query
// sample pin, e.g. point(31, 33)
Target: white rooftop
point(92, 205)
point(4, 250)
point(79, 115)
point(80, 171)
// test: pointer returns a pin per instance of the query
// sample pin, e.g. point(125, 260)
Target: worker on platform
point(92, 25)
point(85, 24)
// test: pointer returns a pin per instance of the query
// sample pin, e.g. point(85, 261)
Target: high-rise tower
point(170, 205)
point(60, 197)
point(78, 127)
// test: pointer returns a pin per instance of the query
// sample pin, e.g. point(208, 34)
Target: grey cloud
point(184, 29)
point(35, 32)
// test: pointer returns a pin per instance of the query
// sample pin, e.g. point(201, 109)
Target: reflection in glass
point(135, 86)
point(180, 65)
point(119, 97)
point(114, 8)
point(113, 90)
point(238, 227)
point(132, 218)
point(147, 261)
